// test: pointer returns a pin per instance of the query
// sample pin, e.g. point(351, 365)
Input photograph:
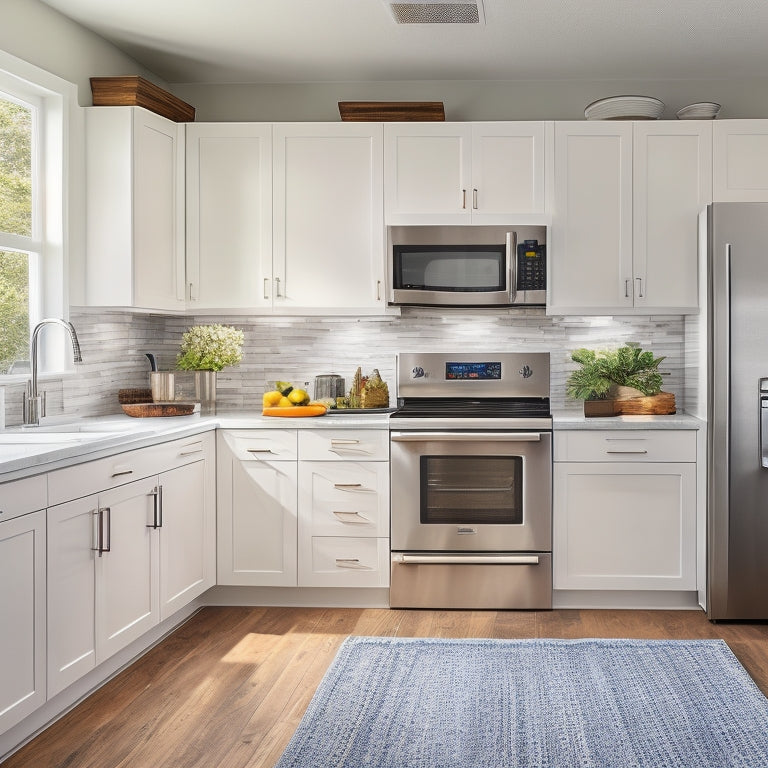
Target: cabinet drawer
point(333, 561)
point(344, 444)
point(22, 496)
point(625, 445)
point(102, 474)
point(343, 498)
point(261, 444)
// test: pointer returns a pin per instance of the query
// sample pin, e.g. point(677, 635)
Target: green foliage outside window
point(16, 219)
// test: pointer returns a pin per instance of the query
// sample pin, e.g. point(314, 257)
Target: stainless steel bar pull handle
point(157, 512)
point(626, 451)
point(474, 199)
point(277, 288)
point(466, 437)
point(266, 292)
point(463, 199)
point(192, 449)
point(103, 517)
point(261, 450)
point(122, 472)
point(347, 486)
point(351, 563)
point(639, 281)
point(466, 559)
point(626, 289)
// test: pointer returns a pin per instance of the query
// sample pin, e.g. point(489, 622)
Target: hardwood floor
point(228, 688)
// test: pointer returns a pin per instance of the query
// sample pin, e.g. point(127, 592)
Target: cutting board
point(295, 411)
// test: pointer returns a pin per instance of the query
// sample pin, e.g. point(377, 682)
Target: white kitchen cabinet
point(624, 510)
point(328, 233)
point(343, 508)
point(229, 215)
point(124, 558)
point(134, 209)
point(624, 233)
point(740, 156)
point(257, 507)
point(462, 173)
point(22, 606)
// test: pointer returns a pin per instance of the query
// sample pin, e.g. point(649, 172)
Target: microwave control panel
point(531, 266)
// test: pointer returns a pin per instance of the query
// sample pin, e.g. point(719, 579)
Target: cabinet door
point(622, 526)
point(135, 211)
point(427, 173)
point(591, 242)
point(22, 608)
point(187, 536)
point(127, 599)
point(229, 215)
point(507, 170)
point(71, 592)
point(672, 185)
point(328, 230)
point(740, 152)
point(256, 519)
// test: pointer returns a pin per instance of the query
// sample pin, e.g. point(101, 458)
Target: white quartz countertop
point(576, 420)
point(63, 441)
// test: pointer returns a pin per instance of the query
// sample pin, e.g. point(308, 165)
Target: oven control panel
point(501, 374)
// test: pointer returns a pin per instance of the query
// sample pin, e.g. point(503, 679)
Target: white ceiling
point(284, 41)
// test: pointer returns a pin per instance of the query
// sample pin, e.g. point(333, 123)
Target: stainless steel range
point(471, 481)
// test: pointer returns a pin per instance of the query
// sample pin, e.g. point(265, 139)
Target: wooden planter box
point(654, 405)
point(135, 91)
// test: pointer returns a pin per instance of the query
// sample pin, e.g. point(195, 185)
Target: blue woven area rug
point(415, 703)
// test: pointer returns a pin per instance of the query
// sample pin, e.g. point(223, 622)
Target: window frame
point(55, 100)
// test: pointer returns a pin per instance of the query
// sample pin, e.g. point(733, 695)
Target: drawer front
point(22, 496)
point(334, 561)
point(344, 444)
point(261, 444)
point(338, 498)
point(625, 445)
point(103, 474)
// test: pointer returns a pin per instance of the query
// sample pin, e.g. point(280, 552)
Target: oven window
point(472, 489)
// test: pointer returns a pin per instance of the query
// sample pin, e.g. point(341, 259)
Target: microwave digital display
point(474, 371)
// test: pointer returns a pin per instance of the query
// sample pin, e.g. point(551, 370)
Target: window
point(34, 111)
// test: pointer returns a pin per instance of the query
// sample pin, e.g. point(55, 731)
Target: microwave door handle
point(511, 242)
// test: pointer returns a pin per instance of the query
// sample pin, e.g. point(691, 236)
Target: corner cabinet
point(134, 209)
point(624, 236)
point(464, 173)
point(624, 510)
point(740, 150)
point(22, 599)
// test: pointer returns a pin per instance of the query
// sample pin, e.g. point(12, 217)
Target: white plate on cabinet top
point(625, 108)
point(702, 110)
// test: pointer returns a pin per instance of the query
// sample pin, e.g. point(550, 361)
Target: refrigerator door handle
point(728, 359)
point(763, 405)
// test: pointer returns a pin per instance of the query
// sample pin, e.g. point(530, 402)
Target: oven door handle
point(466, 437)
point(466, 559)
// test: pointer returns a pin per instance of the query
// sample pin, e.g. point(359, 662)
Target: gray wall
point(466, 100)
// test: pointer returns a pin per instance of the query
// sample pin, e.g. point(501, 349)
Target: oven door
point(471, 491)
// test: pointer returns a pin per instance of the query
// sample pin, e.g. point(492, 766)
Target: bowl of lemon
point(289, 401)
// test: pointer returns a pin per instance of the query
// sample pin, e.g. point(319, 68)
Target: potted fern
point(625, 381)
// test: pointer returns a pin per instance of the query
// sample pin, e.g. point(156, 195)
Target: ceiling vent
point(437, 12)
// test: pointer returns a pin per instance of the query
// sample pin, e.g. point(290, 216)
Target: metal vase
point(205, 391)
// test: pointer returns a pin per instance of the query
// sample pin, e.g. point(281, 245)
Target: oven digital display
point(474, 371)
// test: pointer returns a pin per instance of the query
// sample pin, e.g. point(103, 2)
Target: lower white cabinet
point(306, 508)
point(123, 559)
point(256, 532)
point(22, 611)
point(625, 510)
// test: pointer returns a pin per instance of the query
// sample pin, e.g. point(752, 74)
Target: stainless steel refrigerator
point(736, 353)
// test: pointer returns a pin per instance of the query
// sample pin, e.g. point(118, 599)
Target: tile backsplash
point(299, 348)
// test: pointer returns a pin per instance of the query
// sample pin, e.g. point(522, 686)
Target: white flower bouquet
point(210, 348)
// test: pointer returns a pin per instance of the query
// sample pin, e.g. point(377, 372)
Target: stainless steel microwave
point(467, 266)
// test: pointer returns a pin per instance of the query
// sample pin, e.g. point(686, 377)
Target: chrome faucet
point(34, 403)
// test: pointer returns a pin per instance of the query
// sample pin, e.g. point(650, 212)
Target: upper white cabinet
point(229, 215)
point(740, 173)
point(328, 246)
point(626, 199)
point(462, 173)
point(135, 209)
